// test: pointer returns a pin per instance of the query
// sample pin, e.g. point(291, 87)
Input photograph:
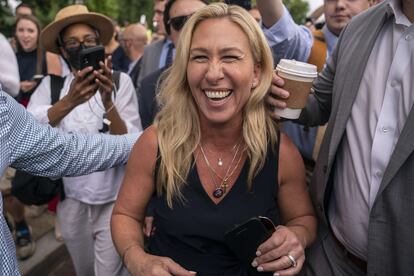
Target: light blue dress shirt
point(164, 51)
point(288, 40)
point(43, 150)
point(291, 41)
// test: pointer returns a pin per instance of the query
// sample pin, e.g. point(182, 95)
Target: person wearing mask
point(214, 159)
point(88, 102)
point(361, 185)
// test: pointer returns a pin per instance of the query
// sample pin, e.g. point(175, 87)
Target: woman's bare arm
point(129, 213)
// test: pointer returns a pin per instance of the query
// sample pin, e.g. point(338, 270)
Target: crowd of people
point(191, 107)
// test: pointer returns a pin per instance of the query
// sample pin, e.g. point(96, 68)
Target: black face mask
point(74, 56)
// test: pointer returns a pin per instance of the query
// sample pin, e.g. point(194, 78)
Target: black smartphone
point(245, 238)
point(92, 56)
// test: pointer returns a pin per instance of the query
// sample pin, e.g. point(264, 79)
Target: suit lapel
point(355, 67)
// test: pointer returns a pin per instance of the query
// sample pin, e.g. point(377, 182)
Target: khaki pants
point(86, 232)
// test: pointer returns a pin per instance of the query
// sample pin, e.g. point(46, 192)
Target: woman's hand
point(276, 93)
point(151, 265)
point(105, 83)
point(273, 254)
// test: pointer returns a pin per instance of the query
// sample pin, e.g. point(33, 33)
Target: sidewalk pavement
point(50, 254)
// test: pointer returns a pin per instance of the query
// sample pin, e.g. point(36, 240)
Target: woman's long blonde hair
point(178, 124)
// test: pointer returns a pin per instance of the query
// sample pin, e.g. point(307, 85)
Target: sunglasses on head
point(178, 22)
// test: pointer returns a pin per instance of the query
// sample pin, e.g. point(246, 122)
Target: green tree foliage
point(121, 10)
point(124, 11)
point(131, 11)
point(6, 19)
point(108, 7)
point(298, 9)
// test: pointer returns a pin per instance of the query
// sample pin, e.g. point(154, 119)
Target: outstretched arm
point(42, 150)
point(271, 11)
point(285, 37)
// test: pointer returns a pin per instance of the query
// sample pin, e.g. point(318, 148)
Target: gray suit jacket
point(150, 60)
point(391, 222)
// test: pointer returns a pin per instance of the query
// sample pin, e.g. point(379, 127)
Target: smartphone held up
point(91, 56)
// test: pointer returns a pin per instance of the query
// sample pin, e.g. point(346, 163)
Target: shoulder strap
point(56, 85)
point(319, 50)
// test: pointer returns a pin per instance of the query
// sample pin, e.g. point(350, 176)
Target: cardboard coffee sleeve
point(298, 77)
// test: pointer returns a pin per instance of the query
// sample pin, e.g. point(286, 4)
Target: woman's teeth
point(217, 95)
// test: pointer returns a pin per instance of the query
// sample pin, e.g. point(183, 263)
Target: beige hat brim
point(49, 35)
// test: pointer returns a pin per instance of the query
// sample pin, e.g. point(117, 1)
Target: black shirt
point(192, 233)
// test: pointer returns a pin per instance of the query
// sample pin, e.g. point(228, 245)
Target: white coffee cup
point(298, 77)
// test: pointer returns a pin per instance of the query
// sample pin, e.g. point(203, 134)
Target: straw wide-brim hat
point(71, 15)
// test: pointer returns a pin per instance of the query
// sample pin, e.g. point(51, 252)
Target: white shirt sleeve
point(9, 70)
point(40, 101)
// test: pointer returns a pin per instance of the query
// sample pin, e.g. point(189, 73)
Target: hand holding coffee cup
point(298, 78)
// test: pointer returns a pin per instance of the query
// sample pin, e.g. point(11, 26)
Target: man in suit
point(155, 54)
point(157, 20)
point(134, 39)
point(362, 184)
point(175, 15)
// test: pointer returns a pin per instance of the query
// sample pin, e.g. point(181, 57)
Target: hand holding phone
point(103, 78)
point(244, 239)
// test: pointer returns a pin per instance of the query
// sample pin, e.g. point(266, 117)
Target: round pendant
point(220, 162)
point(218, 192)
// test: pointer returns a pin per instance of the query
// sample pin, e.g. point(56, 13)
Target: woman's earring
point(254, 85)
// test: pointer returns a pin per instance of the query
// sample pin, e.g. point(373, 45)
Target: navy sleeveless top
point(192, 232)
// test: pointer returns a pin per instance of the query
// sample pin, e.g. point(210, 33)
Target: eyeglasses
point(88, 41)
point(178, 22)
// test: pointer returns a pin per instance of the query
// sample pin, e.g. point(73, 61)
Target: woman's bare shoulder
point(146, 147)
point(290, 160)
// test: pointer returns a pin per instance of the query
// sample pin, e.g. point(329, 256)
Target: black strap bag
point(35, 190)
point(38, 190)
